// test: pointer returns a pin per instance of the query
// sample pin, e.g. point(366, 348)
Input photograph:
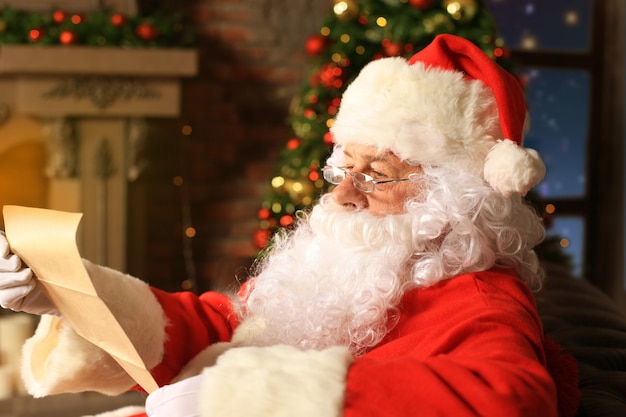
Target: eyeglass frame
point(367, 179)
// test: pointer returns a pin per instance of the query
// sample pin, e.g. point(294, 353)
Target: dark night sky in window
point(557, 98)
point(546, 24)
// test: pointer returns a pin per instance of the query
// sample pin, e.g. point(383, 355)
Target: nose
point(349, 197)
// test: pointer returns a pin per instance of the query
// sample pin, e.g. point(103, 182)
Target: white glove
point(176, 400)
point(18, 289)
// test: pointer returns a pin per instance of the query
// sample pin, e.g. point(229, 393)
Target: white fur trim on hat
point(424, 115)
point(57, 360)
point(276, 381)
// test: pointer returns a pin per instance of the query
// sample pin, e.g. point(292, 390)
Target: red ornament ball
point(378, 55)
point(293, 144)
point(286, 220)
point(331, 76)
point(147, 31)
point(315, 44)
point(333, 106)
point(264, 214)
point(67, 37)
point(58, 16)
point(261, 237)
point(392, 48)
point(502, 53)
point(421, 4)
point(309, 114)
point(34, 35)
point(328, 138)
point(118, 19)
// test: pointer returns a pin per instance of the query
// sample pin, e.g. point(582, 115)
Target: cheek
point(391, 203)
point(396, 204)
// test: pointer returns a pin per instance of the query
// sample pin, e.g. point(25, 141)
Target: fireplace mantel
point(94, 81)
point(93, 104)
point(36, 59)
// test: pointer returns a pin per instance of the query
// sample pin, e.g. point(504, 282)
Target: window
point(570, 57)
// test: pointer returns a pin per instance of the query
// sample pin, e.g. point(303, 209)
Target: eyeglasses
point(361, 181)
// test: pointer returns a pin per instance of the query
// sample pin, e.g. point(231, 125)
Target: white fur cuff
point(57, 360)
point(276, 381)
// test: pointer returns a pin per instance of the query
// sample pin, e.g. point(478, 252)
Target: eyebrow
point(374, 158)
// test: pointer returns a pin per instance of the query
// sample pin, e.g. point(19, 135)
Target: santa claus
point(406, 291)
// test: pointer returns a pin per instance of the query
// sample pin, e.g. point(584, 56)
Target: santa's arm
point(57, 360)
point(282, 380)
point(473, 382)
point(463, 352)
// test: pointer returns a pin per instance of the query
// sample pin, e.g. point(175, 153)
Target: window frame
point(602, 205)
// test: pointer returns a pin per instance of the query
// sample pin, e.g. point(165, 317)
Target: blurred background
point(187, 131)
point(196, 163)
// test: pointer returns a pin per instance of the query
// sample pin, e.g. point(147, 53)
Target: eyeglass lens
point(361, 181)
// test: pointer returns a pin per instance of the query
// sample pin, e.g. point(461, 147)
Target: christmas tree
point(355, 33)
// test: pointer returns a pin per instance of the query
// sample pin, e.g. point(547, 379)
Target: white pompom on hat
point(448, 105)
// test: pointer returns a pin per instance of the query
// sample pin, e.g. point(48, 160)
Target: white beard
point(335, 281)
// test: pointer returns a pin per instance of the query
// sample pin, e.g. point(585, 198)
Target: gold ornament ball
point(461, 10)
point(346, 10)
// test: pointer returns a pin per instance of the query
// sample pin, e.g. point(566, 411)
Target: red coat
point(468, 346)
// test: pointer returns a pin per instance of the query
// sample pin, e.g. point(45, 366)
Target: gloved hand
point(18, 289)
point(176, 400)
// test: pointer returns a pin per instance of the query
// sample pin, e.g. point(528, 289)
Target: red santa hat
point(448, 105)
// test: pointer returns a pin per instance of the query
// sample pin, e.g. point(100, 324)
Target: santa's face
point(386, 198)
point(338, 278)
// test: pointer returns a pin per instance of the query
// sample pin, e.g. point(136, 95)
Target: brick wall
point(251, 64)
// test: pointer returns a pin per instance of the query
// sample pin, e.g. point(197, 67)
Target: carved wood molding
point(62, 147)
point(102, 92)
